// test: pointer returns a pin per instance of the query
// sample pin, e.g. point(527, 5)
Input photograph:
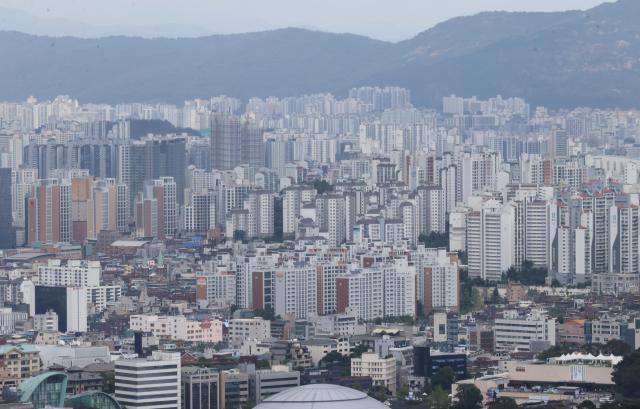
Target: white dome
point(321, 396)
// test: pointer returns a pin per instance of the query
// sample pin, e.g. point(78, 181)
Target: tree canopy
point(468, 397)
point(444, 378)
point(612, 347)
point(587, 404)
point(555, 351)
point(504, 403)
point(438, 399)
point(625, 376)
point(266, 313)
point(616, 347)
point(322, 186)
point(527, 274)
point(435, 240)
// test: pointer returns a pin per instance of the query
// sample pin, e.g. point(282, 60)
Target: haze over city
point(352, 204)
point(385, 20)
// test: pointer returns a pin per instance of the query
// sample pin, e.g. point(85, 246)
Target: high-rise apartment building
point(150, 159)
point(235, 142)
point(296, 291)
point(200, 211)
point(261, 207)
point(73, 273)
point(385, 289)
point(541, 221)
point(7, 232)
point(293, 199)
point(23, 181)
point(157, 209)
point(49, 212)
point(431, 209)
point(331, 213)
point(624, 221)
point(490, 240)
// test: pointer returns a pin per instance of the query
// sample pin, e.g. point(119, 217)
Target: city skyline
point(292, 218)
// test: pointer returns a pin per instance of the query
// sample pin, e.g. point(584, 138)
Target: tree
point(466, 296)
point(263, 364)
point(587, 404)
point(337, 361)
point(554, 351)
point(358, 350)
point(616, 347)
point(468, 396)
point(438, 399)
point(477, 300)
point(108, 382)
point(249, 405)
point(402, 319)
point(555, 406)
point(444, 378)
point(435, 240)
point(403, 392)
point(593, 348)
point(322, 186)
point(527, 274)
point(625, 376)
point(266, 313)
point(504, 403)
point(470, 298)
point(379, 392)
point(495, 297)
point(616, 405)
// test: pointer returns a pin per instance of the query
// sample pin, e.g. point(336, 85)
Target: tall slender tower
point(7, 234)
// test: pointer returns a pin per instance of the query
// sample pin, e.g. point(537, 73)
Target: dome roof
point(321, 396)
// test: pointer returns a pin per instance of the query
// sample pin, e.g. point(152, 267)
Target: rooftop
point(321, 396)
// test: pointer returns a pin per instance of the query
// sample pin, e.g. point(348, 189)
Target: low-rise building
point(319, 347)
point(571, 332)
point(200, 388)
point(17, 363)
point(161, 372)
point(9, 319)
point(571, 369)
point(381, 370)
point(427, 362)
point(46, 322)
point(241, 329)
point(269, 382)
point(603, 330)
point(177, 327)
point(234, 389)
point(514, 332)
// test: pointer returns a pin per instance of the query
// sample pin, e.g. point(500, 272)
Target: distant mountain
point(566, 59)
point(17, 20)
point(571, 59)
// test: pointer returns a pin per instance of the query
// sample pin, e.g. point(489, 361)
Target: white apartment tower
point(332, 217)
point(296, 291)
point(260, 204)
point(540, 232)
point(624, 220)
point(490, 240)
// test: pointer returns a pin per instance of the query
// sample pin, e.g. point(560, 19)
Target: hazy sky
point(384, 19)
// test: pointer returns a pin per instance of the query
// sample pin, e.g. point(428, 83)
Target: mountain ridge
point(559, 59)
